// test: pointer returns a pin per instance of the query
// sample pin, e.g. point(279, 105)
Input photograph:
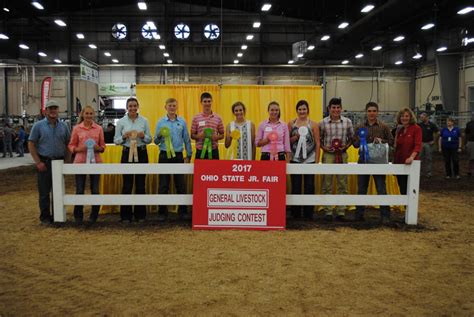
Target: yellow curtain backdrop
point(256, 98)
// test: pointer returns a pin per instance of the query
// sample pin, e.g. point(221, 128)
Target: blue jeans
point(20, 147)
point(363, 184)
point(80, 186)
point(45, 186)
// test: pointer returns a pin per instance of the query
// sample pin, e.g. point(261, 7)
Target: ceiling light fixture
point(37, 5)
point(344, 62)
point(166, 54)
point(311, 47)
point(236, 61)
point(60, 22)
point(93, 46)
point(57, 61)
point(266, 7)
point(142, 5)
point(24, 46)
point(343, 25)
point(427, 26)
point(325, 37)
point(3, 36)
point(80, 36)
point(360, 55)
point(115, 60)
point(465, 10)
point(6, 9)
point(377, 48)
point(367, 8)
point(169, 61)
point(441, 49)
point(300, 55)
point(256, 25)
point(240, 54)
point(399, 38)
point(291, 61)
point(42, 54)
point(162, 47)
point(243, 47)
point(417, 56)
point(398, 62)
point(249, 37)
point(107, 54)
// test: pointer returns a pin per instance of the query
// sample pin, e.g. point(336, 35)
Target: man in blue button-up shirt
point(48, 141)
point(178, 134)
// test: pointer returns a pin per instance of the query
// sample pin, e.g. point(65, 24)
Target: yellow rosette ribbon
point(232, 152)
point(165, 133)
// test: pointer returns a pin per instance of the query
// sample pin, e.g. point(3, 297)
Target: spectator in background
point(109, 133)
point(20, 141)
point(450, 143)
point(469, 137)
point(8, 137)
point(429, 134)
point(407, 143)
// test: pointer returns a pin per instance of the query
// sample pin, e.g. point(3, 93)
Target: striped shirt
point(376, 130)
point(202, 121)
point(341, 129)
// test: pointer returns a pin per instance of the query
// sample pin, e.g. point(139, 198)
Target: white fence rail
point(59, 169)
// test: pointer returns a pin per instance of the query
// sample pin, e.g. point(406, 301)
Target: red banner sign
point(239, 195)
point(45, 92)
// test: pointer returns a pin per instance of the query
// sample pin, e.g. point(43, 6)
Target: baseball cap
point(52, 103)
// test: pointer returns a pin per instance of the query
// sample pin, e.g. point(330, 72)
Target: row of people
point(50, 139)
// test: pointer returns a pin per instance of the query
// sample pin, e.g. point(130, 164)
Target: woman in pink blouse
point(87, 141)
point(273, 137)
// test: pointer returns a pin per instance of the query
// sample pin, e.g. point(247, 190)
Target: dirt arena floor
point(313, 268)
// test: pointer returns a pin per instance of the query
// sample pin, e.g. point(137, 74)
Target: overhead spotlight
point(256, 25)
point(291, 61)
point(466, 10)
point(377, 48)
point(360, 55)
point(37, 5)
point(93, 46)
point(399, 38)
point(42, 54)
point(166, 54)
point(300, 55)
point(169, 61)
point(162, 47)
point(240, 54)
point(24, 46)
point(343, 25)
point(441, 49)
point(243, 47)
point(80, 36)
point(325, 37)
point(266, 7)
point(107, 54)
point(57, 61)
point(3, 36)
point(236, 61)
point(311, 47)
point(344, 62)
point(417, 56)
point(427, 26)
point(467, 40)
point(6, 9)
point(398, 62)
point(114, 60)
point(142, 5)
point(249, 37)
point(367, 8)
point(60, 22)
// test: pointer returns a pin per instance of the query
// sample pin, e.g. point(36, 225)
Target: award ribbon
point(165, 132)
point(336, 146)
point(363, 148)
point(273, 137)
point(207, 145)
point(90, 157)
point(232, 152)
point(301, 147)
point(133, 153)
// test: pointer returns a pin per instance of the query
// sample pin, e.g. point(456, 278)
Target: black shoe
point(126, 221)
point(340, 218)
point(359, 218)
point(142, 220)
point(384, 221)
point(45, 222)
point(162, 217)
point(327, 218)
point(78, 221)
point(184, 216)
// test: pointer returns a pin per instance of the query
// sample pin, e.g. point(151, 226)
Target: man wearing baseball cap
point(48, 141)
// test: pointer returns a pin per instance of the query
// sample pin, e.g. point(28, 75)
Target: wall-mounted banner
point(239, 195)
point(115, 89)
point(45, 92)
point(89, 70)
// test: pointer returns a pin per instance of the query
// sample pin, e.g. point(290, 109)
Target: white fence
point(59, 169)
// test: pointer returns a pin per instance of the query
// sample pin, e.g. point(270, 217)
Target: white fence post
point(413, 188)
point(59, 210)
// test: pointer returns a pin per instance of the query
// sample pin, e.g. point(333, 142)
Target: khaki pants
point(329, 158)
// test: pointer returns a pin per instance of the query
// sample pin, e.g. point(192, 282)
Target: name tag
point(449, 139)
point(202, 123)
point(268, 129)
